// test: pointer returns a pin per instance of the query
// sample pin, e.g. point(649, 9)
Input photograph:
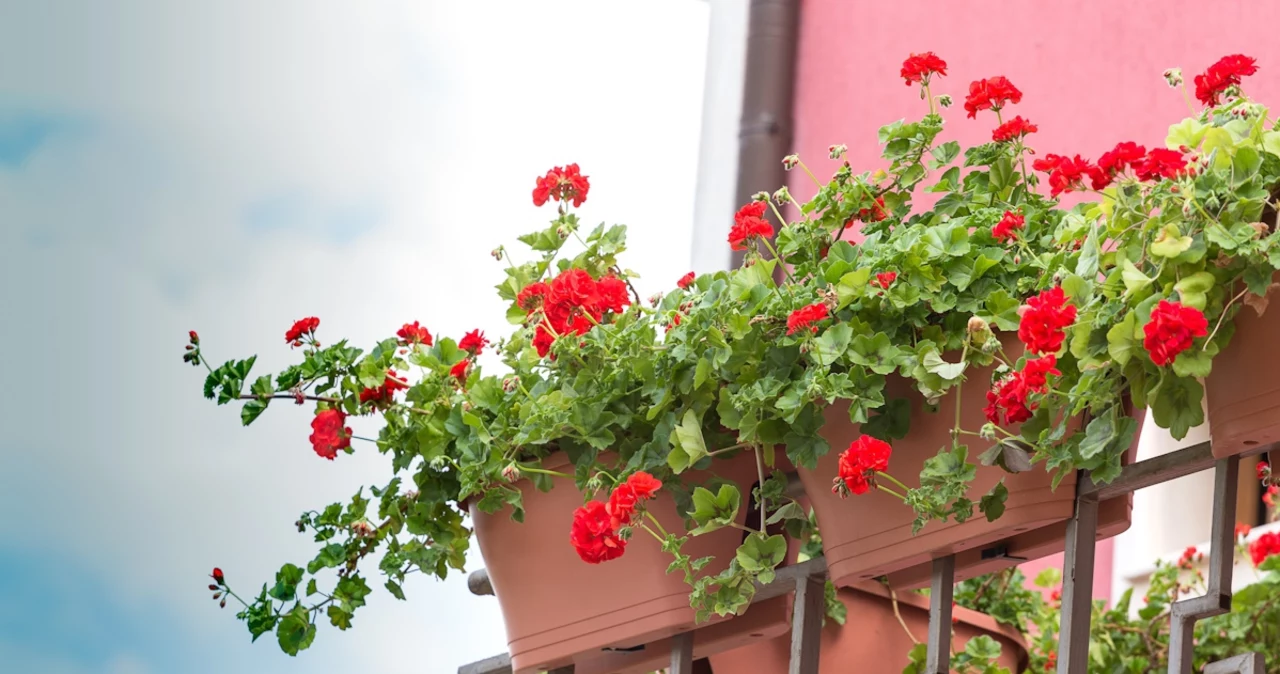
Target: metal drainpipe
point(768, 90)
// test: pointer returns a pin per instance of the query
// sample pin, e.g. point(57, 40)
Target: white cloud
point(128, 230)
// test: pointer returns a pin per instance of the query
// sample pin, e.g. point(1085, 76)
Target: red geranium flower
point(1187, 559)
point(1161, 163)
point(1125, 155)
point(873, 213)
point(627, 496)
point(542, 341)
point(805, 317)
point(1012, 130)
point(1264, 546)
point(300, 329)
point(532, 296)
point(1008, 225)
point(748, 224)
point(1242, 530)
point(612, 294)
point(459, 369)
point(1172, 328)
point(195, 339)
point(562, 184)
point(990, 94)
point(864, 457)
point(1035, 374)
point(644, 484)
point(918, 67)
point(1264, 470)
point(217, 576)
point(473, 342)
point(412, 333)
point(1009, 397)
point(384, 393)
point(885, 279)
point(329, 433)
point(1044, 321)
point(1067, 174)
point(686, 281)
point(1225, 73)
point(593, 535)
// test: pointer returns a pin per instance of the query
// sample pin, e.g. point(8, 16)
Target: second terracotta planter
point(870, 535)
point(873, 640)
point(1242, 390)
point(559, 610)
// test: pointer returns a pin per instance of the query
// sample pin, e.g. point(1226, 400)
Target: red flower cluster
point(412, 333)
point(1010, 395)
point(918, 67)
point(1264, 470)
point(805, 317)
point(1067, 174)
point(990, 94)
point(873, 213)
point(1189, 557)
point(1154, 165)
point(1242, 531)
point(562, 184)
point(1269, 498)
point(473, 342)
point(1227, 72)
point(572, 303)
point(1172, 328)
point(1264, 546)
point(1012, 130)
point(385, 393)
point(1044, 321)
point(459, 369)
point(748, 224)
point(686, 281)
point(885, 279)
point(329, 433)
point(859, 463)
point(596, 526)
point(1006, 229)
point(303, 328)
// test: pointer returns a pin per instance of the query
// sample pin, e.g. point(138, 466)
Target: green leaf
point(853, 285)
point(1120, 340)
point(1216, 138)
point(944, 154)
point(1170, 242)
point(1189, 132)
point(1175, 405)
point(296, 631)
point(1001, 174)
point(714, 511)
point(949, 372)
point(678, 459)
point(1134, 280)
point(759, 552)
point(339, 617)
point(688, 436)
point(875, 352)
point(286, 587)
point(831, 344)
point(790, 511)
point(395, 589)
point(992, 503)
point(1271, 142)
point(890, 422)
point(1087, 265)
point(1193, 290)
point(1097, 436)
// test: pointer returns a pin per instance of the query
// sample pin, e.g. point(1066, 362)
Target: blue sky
point(229, 167)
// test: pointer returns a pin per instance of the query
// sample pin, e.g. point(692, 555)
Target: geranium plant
point(1087, 313)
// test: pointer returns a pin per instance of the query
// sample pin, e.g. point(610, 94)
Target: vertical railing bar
point(941, 596)
point(1077, 587)
point(682, 654)
point(1217, 600)
point(806, 624)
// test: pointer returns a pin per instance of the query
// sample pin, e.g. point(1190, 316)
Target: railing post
point(681, 654)
point(1077, 587)
point(806, 624)
point(1217, 600)
point(941, 596)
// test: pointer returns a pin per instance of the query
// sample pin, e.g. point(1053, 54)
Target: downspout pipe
point(766, 130)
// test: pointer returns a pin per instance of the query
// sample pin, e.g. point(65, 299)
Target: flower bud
point(195, 339)
point(760, 196)
point(212, 586)
point(988, 431)
point(944, 100)
point(223, 604)
point(977, 325)
point(655, 299)
point(510, 384)
point(789, 162)
point(837, 151)
point(782, 196)
point(511, 472)
point(497, 253)
point(562, 232)
point(217, 576)
point(1261, 228)
point(1173, 77)
point(362, 529)
point(217, 595)
point(190, 347)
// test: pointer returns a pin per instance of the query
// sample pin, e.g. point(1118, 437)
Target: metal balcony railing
point(807, 580)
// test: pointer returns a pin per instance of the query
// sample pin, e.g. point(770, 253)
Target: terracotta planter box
point(870, 535)
point(559, 610)
point(1242, 391)
point(872, 640)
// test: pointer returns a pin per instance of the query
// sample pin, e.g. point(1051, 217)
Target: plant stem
point(760, 474)
point(893, 598)
point(542, 471)
point(811, 176)
point(288, 396)
point(656, 523)
point(893, 480)
point(887, 491)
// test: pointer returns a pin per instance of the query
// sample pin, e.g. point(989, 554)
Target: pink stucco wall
point(1090, 73)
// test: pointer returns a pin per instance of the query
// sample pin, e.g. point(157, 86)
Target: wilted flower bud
point(837, 151)
point(362, 529)
point(1261, 228)
point(789, 162)
point(944, 100)
point(467, 406)
point(782, 196)
point(655, 298)
point(760, 196)
point(988, 431)
point(190, 347)
point(977, 325)
point(562, 232)
point(511, 473)
point(497, 253)
point(1186, 207)
point(1173, 77)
